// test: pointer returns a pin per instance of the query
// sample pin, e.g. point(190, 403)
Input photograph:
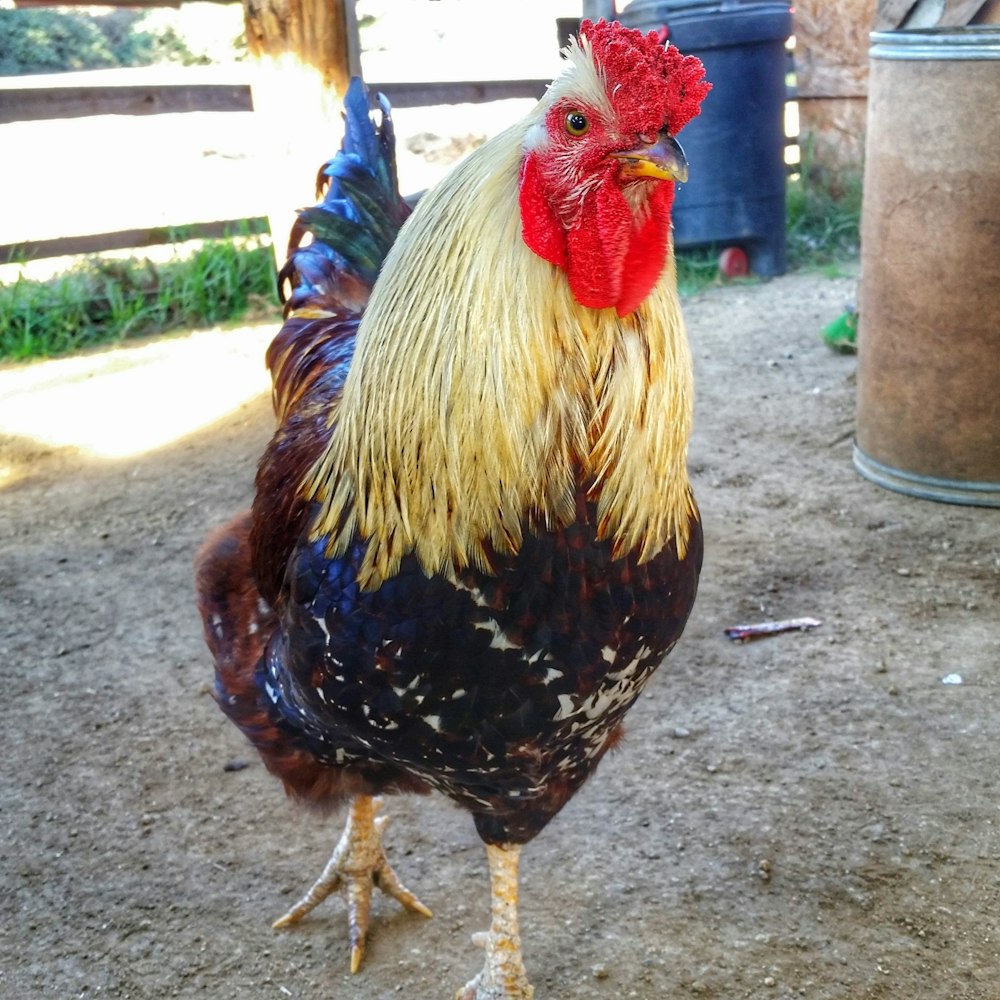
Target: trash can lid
point(706, 24)
point(661, 8)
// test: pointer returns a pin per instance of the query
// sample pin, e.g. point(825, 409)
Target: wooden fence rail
point(20, 101)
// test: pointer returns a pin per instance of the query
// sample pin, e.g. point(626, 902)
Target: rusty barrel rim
point(976, 41)
point(914, 484)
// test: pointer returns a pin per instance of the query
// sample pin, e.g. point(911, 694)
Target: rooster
point(474, 537)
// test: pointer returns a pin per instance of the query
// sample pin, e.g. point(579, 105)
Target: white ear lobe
point(535, 137)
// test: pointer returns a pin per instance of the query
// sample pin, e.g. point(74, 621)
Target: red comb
point(650, 86)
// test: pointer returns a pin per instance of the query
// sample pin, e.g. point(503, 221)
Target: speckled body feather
point(503, 689)
point(474, 538)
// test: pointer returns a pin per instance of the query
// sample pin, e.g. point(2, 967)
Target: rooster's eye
point(577, 124)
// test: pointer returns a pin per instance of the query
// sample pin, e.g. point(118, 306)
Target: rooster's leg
point(358, 864)
point(503, 977)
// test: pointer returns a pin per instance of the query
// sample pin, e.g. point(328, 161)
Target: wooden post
point(831, 66)
point(831, 69)
point(306, 51)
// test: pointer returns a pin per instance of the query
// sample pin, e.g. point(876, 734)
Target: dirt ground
point(809, 815)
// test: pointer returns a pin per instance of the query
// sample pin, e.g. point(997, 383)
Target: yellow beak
point(664, 160)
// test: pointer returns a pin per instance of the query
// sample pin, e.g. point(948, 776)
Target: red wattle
point(610, 262)
point(541, 230)
point(647, 251)
point(598, 244)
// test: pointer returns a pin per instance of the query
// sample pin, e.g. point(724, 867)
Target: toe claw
point(319, 891)
point(357, 954)
point(388, 881)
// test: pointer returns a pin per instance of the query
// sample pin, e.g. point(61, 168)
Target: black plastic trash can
point(736, 146)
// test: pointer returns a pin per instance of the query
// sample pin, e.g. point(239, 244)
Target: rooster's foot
point(358, 864)
point(503, 977)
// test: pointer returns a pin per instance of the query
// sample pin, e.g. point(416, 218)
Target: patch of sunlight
point(129, 400)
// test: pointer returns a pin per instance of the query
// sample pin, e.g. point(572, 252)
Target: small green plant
point(105, 300)
point(824, 215)
point(697, 269)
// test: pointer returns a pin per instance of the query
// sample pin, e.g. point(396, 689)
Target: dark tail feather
point(336, 252)
point(356, 220)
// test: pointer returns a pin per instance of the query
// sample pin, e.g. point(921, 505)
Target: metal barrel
point(928, 394)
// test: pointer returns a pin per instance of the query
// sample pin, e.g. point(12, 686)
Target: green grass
point(697, 269)
point(106, 300)
point(823, 218)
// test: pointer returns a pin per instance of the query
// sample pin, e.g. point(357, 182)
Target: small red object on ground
point(734, 263)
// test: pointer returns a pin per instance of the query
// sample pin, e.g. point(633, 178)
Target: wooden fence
point(25, 99)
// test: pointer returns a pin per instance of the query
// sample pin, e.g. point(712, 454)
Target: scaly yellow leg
point(503, 977)
point(358, 864)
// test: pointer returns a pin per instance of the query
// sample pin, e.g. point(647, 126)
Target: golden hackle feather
point(481, 394)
